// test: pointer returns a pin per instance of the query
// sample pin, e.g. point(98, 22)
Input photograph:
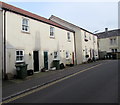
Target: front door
point(46, 60)
point(73, 57)
point(36, 60)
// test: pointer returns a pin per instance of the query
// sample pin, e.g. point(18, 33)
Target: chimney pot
point(106, 29)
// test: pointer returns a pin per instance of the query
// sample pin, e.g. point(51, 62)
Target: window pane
point(17, 52)
point(26, 28)
point(21, 52)
point(17, 58)
point(21, 58)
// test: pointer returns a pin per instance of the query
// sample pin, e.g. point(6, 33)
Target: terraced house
point(85, 41)
point(109, 44)
point(37, 41)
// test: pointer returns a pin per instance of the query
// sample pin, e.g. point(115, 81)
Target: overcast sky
point(91, 16)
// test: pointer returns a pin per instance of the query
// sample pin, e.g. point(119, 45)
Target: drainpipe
point(75, 49)
point(4, 45)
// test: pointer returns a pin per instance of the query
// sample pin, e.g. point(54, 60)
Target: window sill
point(69, 40)
point(52, 37)
point(19, 61)
point(26, 32)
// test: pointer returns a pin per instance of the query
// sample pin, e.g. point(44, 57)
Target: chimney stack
point(106, 29)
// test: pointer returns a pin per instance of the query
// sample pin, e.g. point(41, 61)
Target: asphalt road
point(96, 85)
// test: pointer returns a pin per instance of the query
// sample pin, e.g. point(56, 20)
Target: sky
point(91, 16)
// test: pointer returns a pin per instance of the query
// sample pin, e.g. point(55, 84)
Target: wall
point(37, 39)
point(77, 38)
point(89, 45)
point(1, 44)
point(1, 40)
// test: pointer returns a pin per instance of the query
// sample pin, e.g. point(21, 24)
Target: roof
point(16, 10)
point(108, 34)
point(64, 21)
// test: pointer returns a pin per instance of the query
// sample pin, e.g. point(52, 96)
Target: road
point(96, 85)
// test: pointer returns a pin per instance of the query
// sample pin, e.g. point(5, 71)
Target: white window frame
point(68, 36)
point(52, 32)
point(25, 25)
point(19, 56)
point(55, 54)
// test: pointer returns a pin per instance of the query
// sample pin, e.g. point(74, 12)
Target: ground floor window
point(67, 55)
point(55, 55)
point(19, 56)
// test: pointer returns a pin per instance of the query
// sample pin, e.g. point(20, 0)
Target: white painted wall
point(79, 38)
point(37, 39)
point(1, 54)
point(1, 41)
point(90, 44)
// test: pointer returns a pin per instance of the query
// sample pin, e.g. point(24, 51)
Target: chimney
point(106, 30)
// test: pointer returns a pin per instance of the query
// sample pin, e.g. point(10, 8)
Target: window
point(55, 55)
point(115, 50)
point(89, 37)
point(111, 41)
point(94, 39)
point(67, 55)
point(68, 36)
point(114, 40)
point(25, 25)
point(51, 31)
point(19, 55)
point(85, 35)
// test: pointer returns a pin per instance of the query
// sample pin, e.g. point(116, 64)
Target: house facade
point(85, 41)
point(34, 40)
point(109, 46)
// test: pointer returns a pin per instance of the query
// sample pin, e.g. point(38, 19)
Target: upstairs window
point(94, 39)
point(25, 25)
point(113, 41)
point(19, 56)
point(52, 31)
point(68, 36)
point(85, 37)
point(89, 37)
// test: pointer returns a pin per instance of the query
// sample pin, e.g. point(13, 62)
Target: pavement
point(12, 88)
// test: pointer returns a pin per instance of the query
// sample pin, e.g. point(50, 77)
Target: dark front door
point(36, 60)
point(46, 60)
point(73, 57)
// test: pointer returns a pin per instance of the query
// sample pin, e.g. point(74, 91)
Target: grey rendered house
point(109, 44)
